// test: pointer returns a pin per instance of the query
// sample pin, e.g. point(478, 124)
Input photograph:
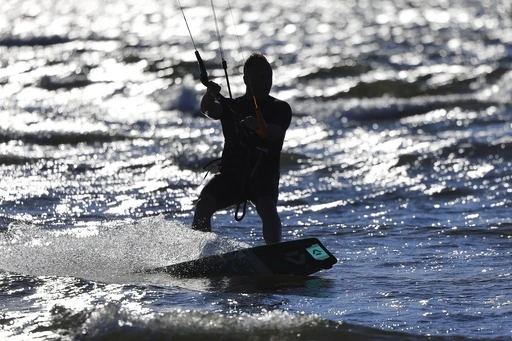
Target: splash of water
point(105, 252)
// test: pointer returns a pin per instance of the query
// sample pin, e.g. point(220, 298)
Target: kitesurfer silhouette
point(254, 127)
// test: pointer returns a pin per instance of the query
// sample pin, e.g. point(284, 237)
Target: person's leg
point(205, 208)
point(218, 194)
point(267, 210)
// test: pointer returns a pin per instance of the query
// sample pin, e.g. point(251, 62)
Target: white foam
point(106, 251)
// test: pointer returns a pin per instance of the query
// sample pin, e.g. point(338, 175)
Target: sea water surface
point(398, 159)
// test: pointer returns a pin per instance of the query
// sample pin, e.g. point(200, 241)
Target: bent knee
point(266, 202)
point(207, 203)
point(266, 205)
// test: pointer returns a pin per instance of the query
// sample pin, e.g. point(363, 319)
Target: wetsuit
point(249, 164)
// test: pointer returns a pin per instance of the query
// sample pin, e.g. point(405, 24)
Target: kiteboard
point(300, 257)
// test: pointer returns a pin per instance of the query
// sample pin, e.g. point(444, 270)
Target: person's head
point(258, 76)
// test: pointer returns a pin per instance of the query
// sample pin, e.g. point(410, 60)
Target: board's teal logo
point(317, 252)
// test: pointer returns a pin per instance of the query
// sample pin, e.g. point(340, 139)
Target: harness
point(253, 157)
point(248, 178)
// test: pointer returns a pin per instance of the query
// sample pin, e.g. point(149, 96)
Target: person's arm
point(209, 104)
point(274, 132)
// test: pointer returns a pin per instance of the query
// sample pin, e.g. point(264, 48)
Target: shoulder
point(281, 105)
point(242, 100)
point(281, 113)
